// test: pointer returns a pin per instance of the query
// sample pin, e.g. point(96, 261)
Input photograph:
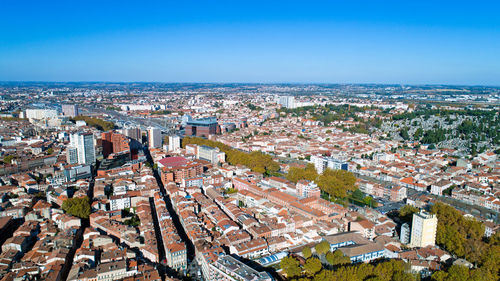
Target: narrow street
point(192, 265)
point(79, 234)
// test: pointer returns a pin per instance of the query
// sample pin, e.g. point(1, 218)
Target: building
point(113, 143)
point(423, 230)
point(202, 127)
point(176, 255)
point(228, 268)
point(307, 188)
point(70, 110)
point(355, 246)
point(322, 163)
point(174, 143)
point(41, 113)
point(154, 137)
point(175, 169)
point(84, 144)
point(211, 154)
point(287, 101)
point(404, 235)
point(119, 202)
point(398, 193)
point(71, 155)
point(133, 133)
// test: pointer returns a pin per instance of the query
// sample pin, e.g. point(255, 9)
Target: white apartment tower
point(154, 137)
point(423, 230)
point(85, 148)
point(287, 101)
point(174, 143)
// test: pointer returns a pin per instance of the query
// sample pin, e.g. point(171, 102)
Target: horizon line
point(256, 83)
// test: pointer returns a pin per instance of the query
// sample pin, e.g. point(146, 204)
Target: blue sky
point(409, 42)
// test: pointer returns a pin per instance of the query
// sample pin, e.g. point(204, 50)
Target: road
point(193, 267)
point(79, 234)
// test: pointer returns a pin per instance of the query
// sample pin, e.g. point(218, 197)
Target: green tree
point(8, 159)
point(406, 212)
point(337, 258)
point(306, 252)
point(322, 248)
point(312, 266)
point(290, 266)
point(308, 173)
point(78, 207)
point(336, 183)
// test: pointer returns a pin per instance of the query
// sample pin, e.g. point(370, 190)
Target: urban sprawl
point(249, 182)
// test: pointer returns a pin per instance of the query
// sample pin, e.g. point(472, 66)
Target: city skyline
point(362, 42)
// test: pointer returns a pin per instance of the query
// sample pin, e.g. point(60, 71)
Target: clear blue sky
point(410, 42)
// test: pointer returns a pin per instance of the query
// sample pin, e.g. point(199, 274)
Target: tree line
point(334, 183)
point(257, 161)
point(95, 122)
point(341, 269)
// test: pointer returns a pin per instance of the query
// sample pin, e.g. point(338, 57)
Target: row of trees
point(464, 237)
point(95, 122)
point(257, 161)
point(314, 270)
point(335, 183)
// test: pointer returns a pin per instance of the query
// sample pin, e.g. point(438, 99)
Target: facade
point(202, 127)
point(119, 202)
point(133, 133)
point(176, 255)
point(84, 144)
point(70, 110)
point(208, 153)
point(154, 137)
point(113, 143)
point(423, 230)
point(404, 235)
point(322, 163)
point(71, 155)
point(174, 143)
point(287, 101)
point(308, 189)
point(41, 113)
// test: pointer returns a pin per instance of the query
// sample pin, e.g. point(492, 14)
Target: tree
point(312, 266)
point(95, 122)
point(78, 207)
point(459, 235)
point(406, 212)
point(322, 248)
point(358, 195)
point(257, 161)
point(336, 183)
point(337, 258)
point(290, 266)
point(308, 173)
point(8, 159)
point(306, 252)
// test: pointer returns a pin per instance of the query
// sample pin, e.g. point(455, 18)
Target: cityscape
point(241, 182)
point(249, 140)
